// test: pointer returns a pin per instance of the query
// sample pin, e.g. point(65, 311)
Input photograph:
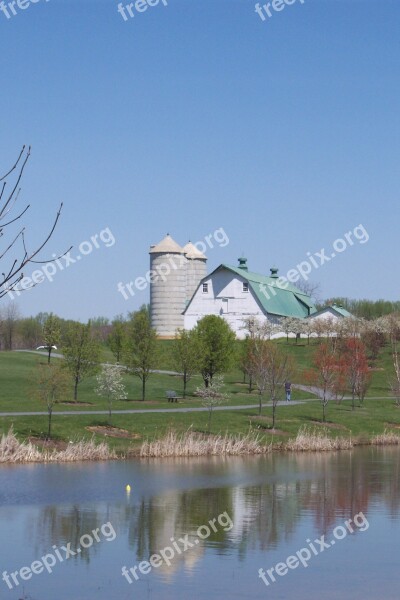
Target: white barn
point(333, 313)
point(234, 293)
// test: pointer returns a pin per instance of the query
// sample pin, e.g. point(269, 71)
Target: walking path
point(312, 389)
point(57, 355)
point(140, 411)
point(316, 391)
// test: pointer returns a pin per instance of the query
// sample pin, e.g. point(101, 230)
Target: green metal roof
point(341, 310)
point(284, 302)
point(336, 308)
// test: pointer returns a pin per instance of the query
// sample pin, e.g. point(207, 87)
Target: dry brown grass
point(14, 451)
point(192, 444)
point(114, 432)
point(387, 438)
point(313, 440)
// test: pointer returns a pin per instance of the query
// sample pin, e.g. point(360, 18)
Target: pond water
point(269, 513)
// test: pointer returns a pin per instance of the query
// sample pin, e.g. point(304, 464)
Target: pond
point(281, 526)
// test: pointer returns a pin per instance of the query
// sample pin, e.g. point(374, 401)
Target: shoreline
point(187, 445)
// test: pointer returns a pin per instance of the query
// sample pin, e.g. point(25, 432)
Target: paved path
point(42, 353)
point(57, 355)
point(318, 392)
point(140, 411)
point(312, 389)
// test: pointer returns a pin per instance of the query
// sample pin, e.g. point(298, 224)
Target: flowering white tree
point(110, 385)
point(291, 325)
point(352, 327)
point(374, 335)
point(308, 328)
point(211, 395)
point(257, 329)
point(392, 326)
point(286, 326)
point(297, 327)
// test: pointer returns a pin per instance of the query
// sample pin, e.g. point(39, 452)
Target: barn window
point(205, 288)
point(245, 286)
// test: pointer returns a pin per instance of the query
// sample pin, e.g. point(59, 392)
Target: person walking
point(288, 390)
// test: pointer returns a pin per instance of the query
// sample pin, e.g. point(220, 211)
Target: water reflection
point(328, 488)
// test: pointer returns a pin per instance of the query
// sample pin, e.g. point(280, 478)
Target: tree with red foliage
point(328, 374)
point(358, 371)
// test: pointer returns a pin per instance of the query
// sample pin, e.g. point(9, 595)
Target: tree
point(101, 328)
point(30, 331)
point(216, 344)
point(328, 374)
point(262, 330)
point(358, 372)
point(286, 327)
point(141, 351)
point(11, 274)
point(392, 327)
point(51, 334)
point(81, 352)
point(308, 329)
point(52, 385)
point(258, 366)
point(256, 331)
point(244, 360)
point(117, 338)
point(297, 327)
point(312, 289)
point(271, 368)
point(373, 336)
point(10, 319)
point(185, 355)
point(110, 385)
point(351, 327)
point(211, 395)
point(292, 325)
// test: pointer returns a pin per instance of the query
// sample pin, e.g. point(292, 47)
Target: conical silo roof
point(166, 245)
point(192, 252)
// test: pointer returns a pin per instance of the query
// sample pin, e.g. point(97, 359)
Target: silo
point(196, 269)
point(167, 286)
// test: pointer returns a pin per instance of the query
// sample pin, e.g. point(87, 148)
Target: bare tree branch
point(13, 274)
point(15, 165)
point(10, 197)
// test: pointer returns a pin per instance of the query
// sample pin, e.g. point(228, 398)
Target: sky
point(197, 116)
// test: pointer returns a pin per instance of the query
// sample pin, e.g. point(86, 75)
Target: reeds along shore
point(193, 444)
point(14, 451)
point(387, 438)
point(186, 444)
point(311, 440)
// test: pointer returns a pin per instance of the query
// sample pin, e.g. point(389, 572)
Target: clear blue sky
point(197, 116)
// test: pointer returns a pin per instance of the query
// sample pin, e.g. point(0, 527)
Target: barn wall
point(225, 293)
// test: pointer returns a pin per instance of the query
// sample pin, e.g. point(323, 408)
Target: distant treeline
point(367, 309)
point(17, 332)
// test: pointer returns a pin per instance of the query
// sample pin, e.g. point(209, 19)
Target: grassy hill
point(17, 387)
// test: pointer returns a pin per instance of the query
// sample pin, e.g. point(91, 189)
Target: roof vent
point(243, 263)
point(274, 272)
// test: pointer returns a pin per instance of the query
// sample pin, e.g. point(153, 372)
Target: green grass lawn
point(17, 376)
point(17, 390)
point(361, 424)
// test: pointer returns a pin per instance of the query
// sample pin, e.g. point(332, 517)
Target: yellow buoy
point(128, 488)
